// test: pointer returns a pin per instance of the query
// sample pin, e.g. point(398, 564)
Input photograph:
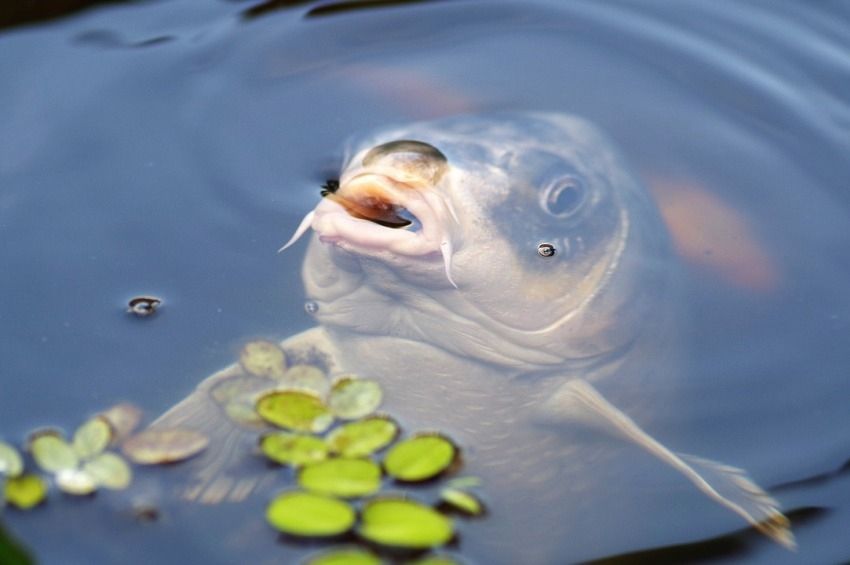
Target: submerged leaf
point(52, 453)
point(11, 463)
point(404, 523)
point(164, 445)
point(463, 501)
point(123, 419)
point(293, 449)
point(313, 515)
point(295, 410)
point(351, 398)
point(76, 482)
point(306, 377)
point(244, 414)
point(263, 358)
point(420, 458)
point(109, 471)
point(25, 491)
point(92, 437)
point(238, 395)
point(364, 437)
point(346, 478)
point(345, 556)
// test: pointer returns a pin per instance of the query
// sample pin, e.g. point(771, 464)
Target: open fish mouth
point(372, 211)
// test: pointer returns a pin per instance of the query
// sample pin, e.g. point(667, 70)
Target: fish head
point(518, 239)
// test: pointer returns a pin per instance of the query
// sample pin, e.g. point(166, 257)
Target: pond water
point(170, 147)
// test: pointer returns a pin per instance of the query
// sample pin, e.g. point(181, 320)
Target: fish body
point(424, 272)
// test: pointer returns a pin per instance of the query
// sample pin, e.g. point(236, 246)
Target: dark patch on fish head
point(557, 180)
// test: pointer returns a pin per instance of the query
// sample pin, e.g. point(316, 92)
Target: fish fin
point(223, 469)
point(228, 470)
point(729, 486)
point(734, 485)
point(302, 227)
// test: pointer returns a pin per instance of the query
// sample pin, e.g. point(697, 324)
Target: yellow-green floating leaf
point(351, 398)
point(293, 449)
point(306, 377)
point(92, 437)
point(263, 358)
point(76, 482)
point(404, 523)
point(52, 453)
point(311, 515)
point(346, 478)
point(25, 491)
point(419, 458)
point(109, 471)
point(164, 445)
point(11, 463)
point(123, 418)
point(463, 501)
point(295, 410)
point(435, 560)
point(364, 437)
point(345, 556)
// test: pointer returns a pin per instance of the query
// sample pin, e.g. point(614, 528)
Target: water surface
point(170, 147)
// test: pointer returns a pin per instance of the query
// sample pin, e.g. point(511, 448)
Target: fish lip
point(334, 224)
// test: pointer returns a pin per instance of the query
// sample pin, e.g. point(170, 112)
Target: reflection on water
point(179, 169)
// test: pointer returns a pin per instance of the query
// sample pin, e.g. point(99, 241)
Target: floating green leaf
point(463, 501)
point(263, 358)
point(164, 445)
point(404, 523)
point(364, 437)
point(293, 449)
point(312, 515)
point(419, 458)
point(345, 556)
point(92, 437)
point(52, 453)
point(346, 478)
point(306, 377)
point(25, 491)
point(11, 463)
point(76, 482)
point(109, 471)
point(351, 398)
point(295, 410)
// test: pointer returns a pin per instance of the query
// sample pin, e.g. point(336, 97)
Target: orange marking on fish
point(713, 236)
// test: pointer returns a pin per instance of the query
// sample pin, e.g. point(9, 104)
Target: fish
point(507, 278)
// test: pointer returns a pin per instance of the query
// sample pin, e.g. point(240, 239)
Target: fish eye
point(563, 197)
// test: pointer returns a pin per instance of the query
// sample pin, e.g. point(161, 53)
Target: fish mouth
point(374, 211)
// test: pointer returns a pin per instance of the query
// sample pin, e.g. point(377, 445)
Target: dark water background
point(170, 147)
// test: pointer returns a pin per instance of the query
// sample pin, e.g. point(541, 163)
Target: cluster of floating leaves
point(344, 453)
point(82, 465)
point(329, 433)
